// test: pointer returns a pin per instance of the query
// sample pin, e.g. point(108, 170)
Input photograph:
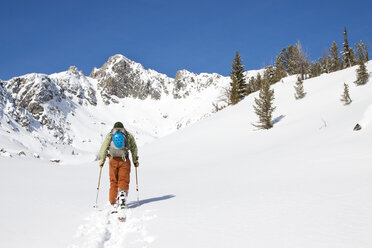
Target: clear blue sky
point(169, 35)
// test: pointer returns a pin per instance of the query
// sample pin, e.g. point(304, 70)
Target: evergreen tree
point(352, 55)
point(335, 60)
point(299, 88)
point(264, 106)
point(325, 62)
point(280, 69)
point(366, 50)
point(315, 69)
point(282, 60)
point(362, 74)
point(345, 97)
point(250, 86)
point(362, 52)
point(347, 56)
point(269, 74)
point(292, 56)
point(302, 61)
point(234, 96)
point(323, 65)
point(294, 60)
point(359, 53)
point(258, 82)
point(238, 84)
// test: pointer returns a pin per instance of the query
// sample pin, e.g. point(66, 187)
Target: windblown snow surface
point(307, 182)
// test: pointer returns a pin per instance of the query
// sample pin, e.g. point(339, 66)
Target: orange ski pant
point(119, 177)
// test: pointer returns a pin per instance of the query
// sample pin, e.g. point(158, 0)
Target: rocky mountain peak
point(74, 71)
point(117, 58)
point(122, 78)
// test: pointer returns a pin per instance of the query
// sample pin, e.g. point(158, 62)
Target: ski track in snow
point(103, 230)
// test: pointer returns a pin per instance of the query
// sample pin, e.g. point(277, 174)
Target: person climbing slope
point(116, 146)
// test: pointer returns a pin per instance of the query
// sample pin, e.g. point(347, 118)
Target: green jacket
point(132, 146)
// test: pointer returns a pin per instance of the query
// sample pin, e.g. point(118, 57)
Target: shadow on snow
point(145, 201)
point(277, 119)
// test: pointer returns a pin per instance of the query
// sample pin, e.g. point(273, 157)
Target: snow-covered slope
point(307, 182)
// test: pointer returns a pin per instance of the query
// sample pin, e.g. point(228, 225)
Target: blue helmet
point(119, 140)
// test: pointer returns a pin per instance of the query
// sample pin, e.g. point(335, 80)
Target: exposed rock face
point(122, 77)
point(75, 83)
point(187, 83)
point(10, 110)
point(47, 100)
point(31, 91)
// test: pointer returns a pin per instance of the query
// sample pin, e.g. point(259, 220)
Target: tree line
point(292, 60)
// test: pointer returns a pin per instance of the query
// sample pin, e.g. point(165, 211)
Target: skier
point(116, 146)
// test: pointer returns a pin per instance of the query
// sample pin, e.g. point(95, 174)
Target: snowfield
point(307, 182)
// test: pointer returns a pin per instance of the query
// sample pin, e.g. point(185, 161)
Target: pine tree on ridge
point(335, 60)
point(237, 84)
point(347, 56)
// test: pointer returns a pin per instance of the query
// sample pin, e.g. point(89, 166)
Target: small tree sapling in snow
point(345, 97)
point(299, 87)
point(264, 106)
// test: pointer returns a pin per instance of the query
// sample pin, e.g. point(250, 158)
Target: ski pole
point(138, 203)
point(99, 182)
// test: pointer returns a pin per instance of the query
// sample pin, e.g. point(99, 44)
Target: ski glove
point(101, 163)
point(136, 164)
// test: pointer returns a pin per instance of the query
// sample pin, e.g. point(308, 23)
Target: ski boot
point(122, 205)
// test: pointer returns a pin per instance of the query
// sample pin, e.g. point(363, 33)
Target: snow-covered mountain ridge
point(121, 77)
point(50, 109)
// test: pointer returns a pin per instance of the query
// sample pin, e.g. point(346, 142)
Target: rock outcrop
point(35, 99)
point(123, 78)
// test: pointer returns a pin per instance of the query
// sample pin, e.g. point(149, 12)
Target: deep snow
point(220, 182)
